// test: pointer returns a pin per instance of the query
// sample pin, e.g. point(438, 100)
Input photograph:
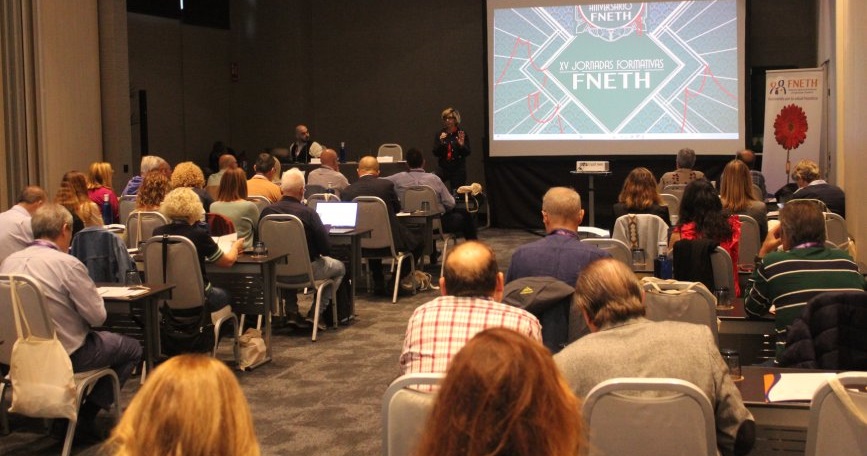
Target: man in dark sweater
point(806, 175)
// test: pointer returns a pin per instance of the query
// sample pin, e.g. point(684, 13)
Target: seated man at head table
point(74, 306)
point(624, 343)
point(15, 232)
point(472, 291)
point(560, 254)
point(324, 267)
point(262, 183)
point(684, 173)
point(304, 148)
point(328, 174)
point(454, 221)
point(804, 268)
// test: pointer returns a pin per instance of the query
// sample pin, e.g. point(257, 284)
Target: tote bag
point(43, 384)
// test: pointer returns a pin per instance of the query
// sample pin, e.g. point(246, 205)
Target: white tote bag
point(43, 384)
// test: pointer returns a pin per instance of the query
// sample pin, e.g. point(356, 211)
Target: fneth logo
point(777, 87)
point(610, 22)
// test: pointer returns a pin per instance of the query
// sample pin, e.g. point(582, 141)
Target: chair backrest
point(820, 203)
point(284, 234)
point(751, 240)
point(219, 224)
point(373, 215)
point(834, 426)
point(182, 269)
point(405, 412)
point(314, 189)
point(661, 416)
point(651, 229)
point(32, 301)
point(615, 247)
point(723, 270)
point(125, 206)
point(757, 193)
point(390, 150)
point(413, 197)
point(317, 198)
point(140, 226)
point(689, 302)
point(835, 230)
point(675, 189)
point(673, 203)
point(260, 201)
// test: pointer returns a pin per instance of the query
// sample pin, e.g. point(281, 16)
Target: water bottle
point(107, 216)
point(342, 152)
point(662, 265)
point(133, 278)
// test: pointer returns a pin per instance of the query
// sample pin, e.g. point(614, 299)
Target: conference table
point(349, 169)
point(119, 308)
point(753, 338)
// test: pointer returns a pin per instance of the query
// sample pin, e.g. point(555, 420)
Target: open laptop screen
point(338, 215)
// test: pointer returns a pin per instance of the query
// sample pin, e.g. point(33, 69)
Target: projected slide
point(625, 71)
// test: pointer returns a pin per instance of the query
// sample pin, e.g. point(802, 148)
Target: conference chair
point(314, 189)
point(180, 267)
point(414, 198)
point(838, 417)
point(126, 206)
point(817, 202)
point(673, 203)
point(391, 150)
point(671, 416)
point(41, 326)
point(140, 226)
point(643, 232)
point(285, 233)
point(615, 247)
point(723, 270)
point(219, 224)
point(689, 302)
point(674, 189)
point(750, 242)
point(405, 412)
point(835, 230)
point(260, 201)
point(317, 198)
point(373, 215)
point(757, 193)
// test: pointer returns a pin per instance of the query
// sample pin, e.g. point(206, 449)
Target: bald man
point(472, 288)
point(227, 161)
point(15, 232)
point(328, 174)
point(560, 254)
point(749, 158)
point(303, 148)
point(369, 184)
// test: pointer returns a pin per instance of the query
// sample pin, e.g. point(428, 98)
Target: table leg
point(152, 332)
point(354, 268)
point(269, 295)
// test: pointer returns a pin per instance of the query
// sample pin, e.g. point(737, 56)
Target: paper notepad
point(122, 292)
point(794, 387)
point(226, 242)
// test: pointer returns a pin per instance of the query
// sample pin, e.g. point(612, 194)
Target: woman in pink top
point(99, 184)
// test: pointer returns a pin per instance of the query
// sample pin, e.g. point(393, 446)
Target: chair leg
point(334, 304)
point(396, 280)
point(67, 441)
point(316, 314)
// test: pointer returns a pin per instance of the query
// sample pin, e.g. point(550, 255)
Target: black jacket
point(831, 334)
point(384, 190)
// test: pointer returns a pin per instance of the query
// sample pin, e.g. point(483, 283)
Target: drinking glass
point(132, 278)
point(259, 249)
point(639, 260)
point(723, 298)
point(733, 361)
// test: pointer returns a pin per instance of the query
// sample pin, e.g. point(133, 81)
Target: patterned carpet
point(314, 398)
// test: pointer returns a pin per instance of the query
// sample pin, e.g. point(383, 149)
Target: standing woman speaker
point(451, 149)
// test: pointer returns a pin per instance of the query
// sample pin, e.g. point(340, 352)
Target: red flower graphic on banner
point(790, 127)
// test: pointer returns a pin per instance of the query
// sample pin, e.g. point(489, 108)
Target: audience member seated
point(324, 266)
point(72, 195)
point(829, 334)
point(304, 148)
point(183, 208)
point(153, 190)
point(640, 196)
point(227, 161)
point(148, 163)
point(624, 343)
point(521, 403)
point(736, 192)
point(472, 291)
point(702, 217)
point(99, 184)
point(232, 203)
point(191, 405)
point(74, 305)
point(684, 173)
point(328, 174)
point(369, 184)
point(749, 158)
point(261, 184)
point(804, 268)
point(806, 175)
point(15, 232)
point(560, 254)
point(454, 221)
point(188, 174)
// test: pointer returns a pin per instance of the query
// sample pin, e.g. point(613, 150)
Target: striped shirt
point(787, 280)
point(439, 329)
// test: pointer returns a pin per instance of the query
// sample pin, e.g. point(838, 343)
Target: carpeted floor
point(314, 398)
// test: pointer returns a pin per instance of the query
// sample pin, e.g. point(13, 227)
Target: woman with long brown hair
point(640, 195)
point(154, 187)
point(232, 203)
point(99, 176)
point(736, 191)
point(72, 195)
point(503, 395)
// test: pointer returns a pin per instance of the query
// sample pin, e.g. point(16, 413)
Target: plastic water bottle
point(342, 152)
point(107, 216)
point(662, 265)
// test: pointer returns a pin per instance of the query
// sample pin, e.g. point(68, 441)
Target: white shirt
point(15, 232)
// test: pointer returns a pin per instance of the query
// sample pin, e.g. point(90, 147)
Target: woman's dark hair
point(701, 204)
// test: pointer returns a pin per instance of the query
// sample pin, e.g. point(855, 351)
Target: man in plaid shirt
point(471, 288)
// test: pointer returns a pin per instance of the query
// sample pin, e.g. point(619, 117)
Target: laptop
point(342, 217)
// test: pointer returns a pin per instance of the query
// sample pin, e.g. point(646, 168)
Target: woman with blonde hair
point(72, 195)
point(640, 195)
point(191, 405)
point(503, 395)
point(99, 176)
point(232, 203)
point(188, 174)
point(736, 191)
point(154, 187)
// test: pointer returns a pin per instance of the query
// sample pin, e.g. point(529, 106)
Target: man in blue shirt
point(560, 254)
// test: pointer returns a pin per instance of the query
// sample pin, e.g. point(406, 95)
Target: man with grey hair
point(624, 343)
point(15, 232)
point(328, 174)
point(148, 164)
point(324, 267)
point(74, 305)
point(560, 254)
point(684, 173)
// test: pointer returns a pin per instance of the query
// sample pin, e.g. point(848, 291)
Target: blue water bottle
point(107, 216)
point(342, 152)
point(662, 265)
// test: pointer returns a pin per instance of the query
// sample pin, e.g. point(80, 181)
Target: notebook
point(342, 217)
